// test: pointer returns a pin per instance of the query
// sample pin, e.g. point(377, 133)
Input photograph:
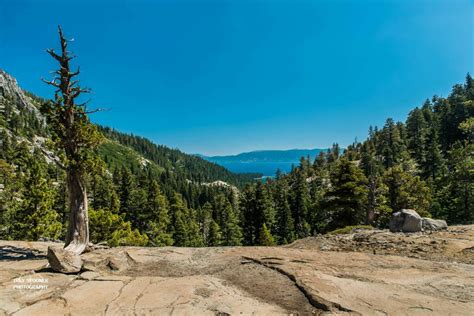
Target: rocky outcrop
point(61, 260)
point(251, 280)
point(9, 90)
point(434, 224)
point(407, 221)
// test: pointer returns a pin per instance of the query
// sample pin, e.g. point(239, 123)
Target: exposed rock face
point(434, 224)
point(409, 275)
point(64, 261)
point(9, 89)
point(407, 221)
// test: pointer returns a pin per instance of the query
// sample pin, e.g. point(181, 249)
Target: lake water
point(265, 168)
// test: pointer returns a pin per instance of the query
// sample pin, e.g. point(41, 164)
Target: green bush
point(110, 227)
point(348, 229)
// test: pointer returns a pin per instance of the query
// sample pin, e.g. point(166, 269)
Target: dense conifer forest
point(144, 194)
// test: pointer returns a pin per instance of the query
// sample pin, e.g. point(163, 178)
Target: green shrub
point(348, 229)
point(110, 227)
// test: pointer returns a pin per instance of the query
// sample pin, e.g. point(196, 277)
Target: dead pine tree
point(75, 139)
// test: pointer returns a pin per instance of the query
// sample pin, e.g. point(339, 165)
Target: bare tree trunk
point(77, 236)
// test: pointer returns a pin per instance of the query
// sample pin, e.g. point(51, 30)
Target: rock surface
point(408, 274)
point(9, 89)
point(434, 224)
point(63, 261)
point(407, 221)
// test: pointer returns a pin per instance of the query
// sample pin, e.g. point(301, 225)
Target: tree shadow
point(13, 253)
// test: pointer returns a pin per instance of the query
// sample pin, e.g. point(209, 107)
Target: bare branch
point(51, 83)
point(97, 110)
point(54, 55)
point(81, 90)
point(83, 104)
point(72, 74)
point(77, 91)
point(73, 83)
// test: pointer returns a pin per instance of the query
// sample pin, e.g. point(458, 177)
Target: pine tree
point(285, 230)
point(469, 87)
point(36, 218)
point(103, 194)
point(333, 153)
point(265, 238)
point(347, 197)
point(156, 216)
point(264, 212)
point(301, 205)
point(247, 211)
point(136, 205)
point(320, 161)
point(406, 191)
point(417, 129)
point(76, 137)
point(368, 161)
point(231, 231)
point(125, 186)
point(457, 195)
point(391, 143)
point(214, 236)
point(186, 230)
point(205, 221)
point(178, 220)
point(6, 145)
point(194, 235)
point(433, 164)
point(378, 211)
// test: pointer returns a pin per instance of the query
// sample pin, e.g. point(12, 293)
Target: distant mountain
point(265, 162)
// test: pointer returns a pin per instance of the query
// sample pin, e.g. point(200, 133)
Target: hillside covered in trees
point(144, 194)
point(131, 175)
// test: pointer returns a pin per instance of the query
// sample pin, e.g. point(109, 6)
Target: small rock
point(63, 261)
point(434, 224)
point(89, 275)
point(120, 261)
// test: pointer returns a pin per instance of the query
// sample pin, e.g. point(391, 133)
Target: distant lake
point(265, 162)
point(265, 168)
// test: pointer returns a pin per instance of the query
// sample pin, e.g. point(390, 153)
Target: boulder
point(61, 260)
point(434, 224)
point(120, 261)
point(407, 221)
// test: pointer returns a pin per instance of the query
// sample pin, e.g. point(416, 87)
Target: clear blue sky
point(222, 77)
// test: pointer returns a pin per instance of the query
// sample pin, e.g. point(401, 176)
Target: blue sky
point(222, 77)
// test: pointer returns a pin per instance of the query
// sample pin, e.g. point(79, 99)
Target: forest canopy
point(144, 194)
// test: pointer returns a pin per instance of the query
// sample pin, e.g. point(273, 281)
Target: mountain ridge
point(284, 153)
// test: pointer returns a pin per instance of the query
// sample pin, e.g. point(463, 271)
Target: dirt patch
point(268, 286)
